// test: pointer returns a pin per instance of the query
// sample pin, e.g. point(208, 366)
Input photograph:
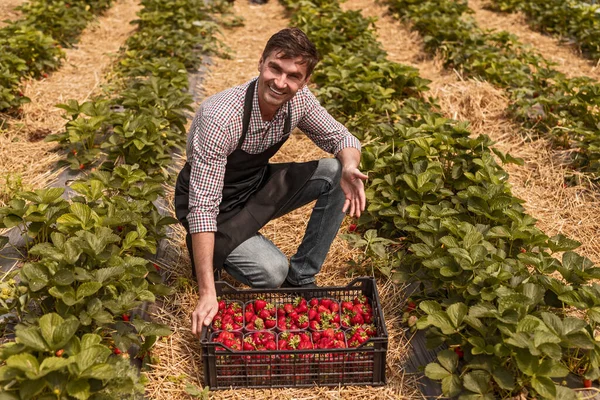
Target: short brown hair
point(292, 43)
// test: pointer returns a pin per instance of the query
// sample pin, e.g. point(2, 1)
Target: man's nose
point(280, 81)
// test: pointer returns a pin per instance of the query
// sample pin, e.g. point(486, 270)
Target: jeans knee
point(329, 169)
point(274, 272)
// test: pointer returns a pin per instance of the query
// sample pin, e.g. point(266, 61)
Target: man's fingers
point(363, 200)
point(346, 205)
point(194, 326)
point(357, 207)
point(210, 317)
point(362, 176)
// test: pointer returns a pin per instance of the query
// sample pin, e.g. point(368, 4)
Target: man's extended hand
point(204, 312)
point(354, 189)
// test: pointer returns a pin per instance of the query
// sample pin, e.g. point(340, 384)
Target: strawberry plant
point(60, 19)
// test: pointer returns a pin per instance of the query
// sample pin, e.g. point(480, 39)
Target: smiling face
point(278, 82)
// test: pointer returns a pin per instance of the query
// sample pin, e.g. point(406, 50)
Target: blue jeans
point(259, 263)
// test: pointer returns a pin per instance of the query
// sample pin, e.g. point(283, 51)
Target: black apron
point(254, 191)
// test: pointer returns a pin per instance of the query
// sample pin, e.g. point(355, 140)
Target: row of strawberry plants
point(31, 45)
point(542, 99)
point(576, 20)
point(441, 213)
point(86, 266)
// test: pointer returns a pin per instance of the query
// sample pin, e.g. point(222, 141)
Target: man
point(228, 191)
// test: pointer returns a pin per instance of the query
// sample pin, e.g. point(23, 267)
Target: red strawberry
point(347, 306)
point(459, 352)
point(259, 304)
point(125, 317)
point(301, 306)
point(59, 352)
point(270, 323)
point(587, 383)
point(352, 227)
point(303, 321)
point(270, 345)
point(357, 319)
point(116, 351)
point(411, 306)
point(264, 313)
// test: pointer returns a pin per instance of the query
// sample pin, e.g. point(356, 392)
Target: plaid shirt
point(217, 129)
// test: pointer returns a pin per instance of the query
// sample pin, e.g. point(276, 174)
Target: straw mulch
point(565, 54)
point(8, 12)
point(23, 150)
point(177, 358)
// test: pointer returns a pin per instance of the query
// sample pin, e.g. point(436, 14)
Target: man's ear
point(260, 63)
point(307, 81)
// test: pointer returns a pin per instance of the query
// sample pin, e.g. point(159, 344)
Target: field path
point(81, 75)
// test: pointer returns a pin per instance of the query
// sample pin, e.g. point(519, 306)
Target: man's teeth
point(275, 91)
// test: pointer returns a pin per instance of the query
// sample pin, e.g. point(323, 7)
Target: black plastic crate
point(364, 365)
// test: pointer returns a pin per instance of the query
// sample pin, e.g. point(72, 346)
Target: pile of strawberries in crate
point(301, 324)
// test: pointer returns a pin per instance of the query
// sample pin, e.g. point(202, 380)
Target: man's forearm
point(203, 245)
point(349, 157)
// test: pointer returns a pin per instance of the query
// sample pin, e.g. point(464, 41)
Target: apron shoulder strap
point(247, 112)
point(288, 121)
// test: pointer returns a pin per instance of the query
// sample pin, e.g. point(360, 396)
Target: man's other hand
point(354, 189)
point(204, 312)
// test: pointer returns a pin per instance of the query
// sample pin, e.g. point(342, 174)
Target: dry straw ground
point(81, 75)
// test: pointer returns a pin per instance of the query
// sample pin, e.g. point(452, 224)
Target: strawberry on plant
point(116, 351)
point(352, 228)
point(125, 317)
point(411, 306)
point(59, 352)
point(459, 352)
point(587, 383)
